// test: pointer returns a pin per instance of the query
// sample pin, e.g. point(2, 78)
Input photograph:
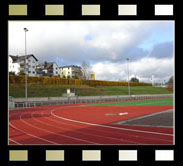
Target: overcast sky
point(105, 45)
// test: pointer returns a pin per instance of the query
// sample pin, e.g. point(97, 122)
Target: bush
point(13, 79)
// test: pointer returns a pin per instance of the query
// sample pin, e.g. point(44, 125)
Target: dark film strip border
point(27, 155)
point(87, 9)
point(91, 155)
point(90, 10)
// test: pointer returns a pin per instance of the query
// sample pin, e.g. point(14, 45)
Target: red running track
point(73, 125)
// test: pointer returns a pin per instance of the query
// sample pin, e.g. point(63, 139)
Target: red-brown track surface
point(73, 125)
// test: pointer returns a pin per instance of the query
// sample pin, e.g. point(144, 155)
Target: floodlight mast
point(128, 76)
point(152, 79)
point(26, 30)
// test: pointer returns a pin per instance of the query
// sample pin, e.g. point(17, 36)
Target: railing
point(33, 102)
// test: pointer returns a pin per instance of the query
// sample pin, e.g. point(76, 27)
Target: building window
point(68, 67)
point(33, 72)
point(29, 60)
point(29, 71)
point(33, 66)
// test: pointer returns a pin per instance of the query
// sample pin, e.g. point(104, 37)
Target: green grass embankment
point(82, 90)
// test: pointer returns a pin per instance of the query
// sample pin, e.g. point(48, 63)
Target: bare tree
point(134, 79)
point(170, 83)
point(86, 70)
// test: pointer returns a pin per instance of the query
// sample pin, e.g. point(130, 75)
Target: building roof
point(47, 65)
point(70, 66)
point(21, 58)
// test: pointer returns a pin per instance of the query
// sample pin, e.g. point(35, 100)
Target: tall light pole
point(152, 79)
point(26, 30)
point(128, 76)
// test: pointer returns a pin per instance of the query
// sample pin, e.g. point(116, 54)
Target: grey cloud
point(162, 69)
point(74, 50)
point(111, 42)
point(162, 50)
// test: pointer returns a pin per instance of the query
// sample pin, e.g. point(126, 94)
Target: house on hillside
point(71, 71)
point(48, 69)
point(13, 66)
point(23, 64)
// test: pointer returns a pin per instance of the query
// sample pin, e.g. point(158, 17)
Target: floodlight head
point(25, 29)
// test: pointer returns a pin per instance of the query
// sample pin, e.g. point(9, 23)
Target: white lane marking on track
point(147, 126)
point(146, 116)
point(53, 132)
point(30, 134)
point(72, 106)
point(125, 113)
point(32, 116)
point(15, 141)
point(93, 124)
point(10, 124)
point(112, 132)
point(117, 113)
point(45, 140)
point(85, 132)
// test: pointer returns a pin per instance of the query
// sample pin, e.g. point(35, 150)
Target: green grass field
point(164, 101)
point(57, 90)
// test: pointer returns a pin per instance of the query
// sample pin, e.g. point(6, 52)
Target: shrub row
point(62, 81)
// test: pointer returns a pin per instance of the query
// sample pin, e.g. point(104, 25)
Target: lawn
point(163, 101)
point(38, 90)
point(123, 90)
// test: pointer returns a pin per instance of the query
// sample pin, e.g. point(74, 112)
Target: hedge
point(63, 81)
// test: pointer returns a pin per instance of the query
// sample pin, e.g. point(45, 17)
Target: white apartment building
point(13, 67)
point(71, 71)
point(17, 64)
point(48, 69)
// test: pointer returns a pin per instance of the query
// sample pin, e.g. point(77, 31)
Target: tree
point(80, 74)
point(75, 77)
point(11, 73)
point(86, 70)
point(21, 73)
point(134, 79)
point(170, 83)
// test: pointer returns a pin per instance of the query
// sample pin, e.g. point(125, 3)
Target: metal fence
point(33, 102)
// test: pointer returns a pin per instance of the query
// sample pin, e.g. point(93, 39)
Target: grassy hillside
point(117, 90)
point(57, 90)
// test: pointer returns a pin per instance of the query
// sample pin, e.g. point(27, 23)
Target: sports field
point(160, 101)
point(139, 122)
